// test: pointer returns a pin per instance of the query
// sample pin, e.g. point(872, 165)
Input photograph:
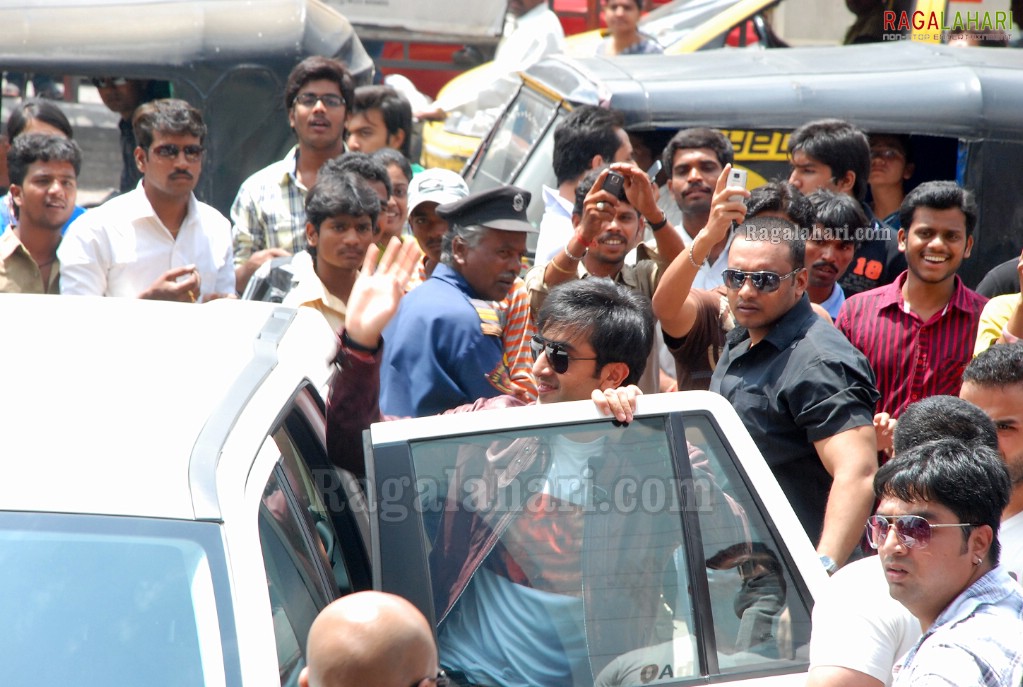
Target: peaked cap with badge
point(501, 208)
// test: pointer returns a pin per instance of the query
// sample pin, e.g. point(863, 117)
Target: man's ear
point(458, 249)
point(396, 140)
point(979, 542)
point(845, 183)
point(140, 158)
point(969, 247)
point(613, 375)
point(16, 194)
point(312, 234)
point(902, 240)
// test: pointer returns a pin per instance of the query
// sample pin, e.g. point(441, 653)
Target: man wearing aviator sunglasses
point(124, 247)
point(936, 531)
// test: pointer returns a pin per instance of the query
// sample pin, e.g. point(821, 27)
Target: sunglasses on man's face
point(557, 355)
point(766, 282)
point(170, 151)
point(912, 531)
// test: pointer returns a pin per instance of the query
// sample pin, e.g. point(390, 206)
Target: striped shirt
point(975, 640)
point(912, 359)
point(269, 210)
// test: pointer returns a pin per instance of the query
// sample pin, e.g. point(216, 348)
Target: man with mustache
point(607, 227)
point(446, 339)
point(158, 241)
point(830, 246)
point(269, 212)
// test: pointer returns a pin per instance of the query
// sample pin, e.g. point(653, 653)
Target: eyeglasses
point(170, 151)
point(913, 531)
point(441, 680)
point(110, 82)
point(434, 185)
point(885, 154)
point(767, 282)
point(557, 356)
point(328, 99)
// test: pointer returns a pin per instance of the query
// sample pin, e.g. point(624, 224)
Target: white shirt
point(555, 225)
point(1010, 535)
point(121, 248)
point(534, 35)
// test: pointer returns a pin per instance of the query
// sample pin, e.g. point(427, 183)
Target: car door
point(662, 552)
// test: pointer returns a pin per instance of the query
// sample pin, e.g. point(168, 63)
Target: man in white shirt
point(157, 241)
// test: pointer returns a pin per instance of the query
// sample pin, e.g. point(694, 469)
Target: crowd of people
point(837, 328)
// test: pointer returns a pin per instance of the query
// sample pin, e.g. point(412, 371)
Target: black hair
point(391, 157)
point(584, 187)
point(168, 116)
point(313, 69)
point(840, 146)
point(776, 230)
point(970, 480)
point(360, 164)
point(783, 197)
point(699, 137)
point(839, 214)
point(945, 417)
point(340, 194)
point(999, 366)
point(620, 321)
point(586, 131)
point(394, 108)
point(37, 108)
point(903, 141)
point(639, 4)
point(939, 195)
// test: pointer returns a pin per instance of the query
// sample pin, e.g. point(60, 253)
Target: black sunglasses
point(557, 356)
point(913, 531)
point(762, 281)
point(328, 99)
point(170, 151)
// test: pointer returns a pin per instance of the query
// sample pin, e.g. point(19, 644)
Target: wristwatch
point(830, 566)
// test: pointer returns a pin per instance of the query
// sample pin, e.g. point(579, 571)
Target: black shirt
point(130, 173)
point(1002, 279)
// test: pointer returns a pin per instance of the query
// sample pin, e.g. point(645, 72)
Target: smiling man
point(918, 331)
point(936, 531)
point(158, 241)
point(44, 183)
point(447, 346)
point(268, 213)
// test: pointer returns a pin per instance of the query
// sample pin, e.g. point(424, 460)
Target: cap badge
point(518, 203)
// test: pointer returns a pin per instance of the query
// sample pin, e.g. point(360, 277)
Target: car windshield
point(96, 601)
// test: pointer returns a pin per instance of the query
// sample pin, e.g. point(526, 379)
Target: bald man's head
point(369, 638)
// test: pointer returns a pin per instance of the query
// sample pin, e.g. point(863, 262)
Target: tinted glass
point(518, 131)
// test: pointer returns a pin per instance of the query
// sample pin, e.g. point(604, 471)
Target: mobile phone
point(737, 177)
point(614, 183)
point(654, 170)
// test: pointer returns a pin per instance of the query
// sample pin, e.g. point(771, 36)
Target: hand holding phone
point(614, 183)
point(737, 177)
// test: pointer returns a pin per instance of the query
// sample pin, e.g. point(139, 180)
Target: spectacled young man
point(268, 213)
point(936, 532)
point(123, 247)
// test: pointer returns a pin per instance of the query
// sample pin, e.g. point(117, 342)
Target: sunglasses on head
point(913, 531)
point(557, 355)
point(170, 151)
point(328, 99)
point(762, 281)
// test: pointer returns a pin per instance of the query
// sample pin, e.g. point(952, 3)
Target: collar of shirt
point(289, 165)
point(9, 245)
point(891, 295)
point(788, 328)
point(139, 207)
point(446, 274)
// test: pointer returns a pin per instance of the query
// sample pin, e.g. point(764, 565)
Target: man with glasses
point(268, 213)
point(804, 393)
point(936, 532)
point(158, 241)
point(371, 638)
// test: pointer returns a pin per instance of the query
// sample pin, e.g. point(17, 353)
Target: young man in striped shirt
point(918, 332)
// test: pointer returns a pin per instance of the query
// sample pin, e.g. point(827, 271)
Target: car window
point(97, 600)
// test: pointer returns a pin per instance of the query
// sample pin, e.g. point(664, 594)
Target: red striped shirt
point(912, 359)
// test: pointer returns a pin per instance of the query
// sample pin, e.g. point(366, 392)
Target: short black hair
point(37, 108)
point(394, 108)
point(939, 195)
point(970, 480)
point(620, 321)
point(584, 187)
point(168, 116)
point(31, 148)
point(315, 68)
point(361, 164)
point(699, 137)
point(999, 366)
point(783, 197)
point(945, 417)
point(586, 131)
point(340, 194)
point(391, 157)
point(839, 213)
point(775, 230)
point(840, 146)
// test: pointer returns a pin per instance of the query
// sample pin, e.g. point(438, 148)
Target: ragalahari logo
point(928, 26)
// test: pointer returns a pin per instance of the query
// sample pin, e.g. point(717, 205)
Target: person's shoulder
point(120, 208)
point(210, 216)
point(269, 175)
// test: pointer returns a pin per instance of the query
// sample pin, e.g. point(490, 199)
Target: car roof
point(105, 399)
point(901, 87)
